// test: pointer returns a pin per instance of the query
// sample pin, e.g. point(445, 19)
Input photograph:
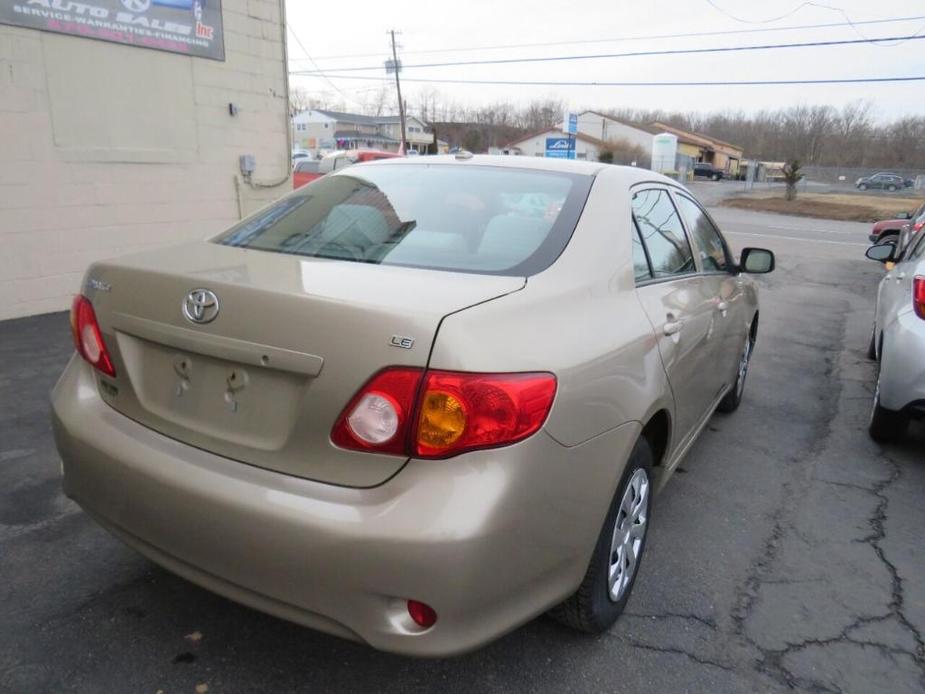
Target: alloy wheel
point(743, 366)
point(628, 534)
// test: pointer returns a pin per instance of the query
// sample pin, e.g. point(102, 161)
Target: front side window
point(480, 219)
point(662, 233)
point(706, 238)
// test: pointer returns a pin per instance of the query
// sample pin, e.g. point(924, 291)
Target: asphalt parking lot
point(786, 554)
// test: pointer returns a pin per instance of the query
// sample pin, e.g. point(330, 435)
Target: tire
point(715, 177)
point(886, 425)
point(732, 399)
point(891, 188)
point(594, 607)
point(886, 238)
point(872, 347)
point(862, 186)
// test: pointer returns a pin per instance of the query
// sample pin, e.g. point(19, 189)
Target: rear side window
point(307, 166)
point(662, 233)
point(641, 268)
point(706, 237)
point(480, 219)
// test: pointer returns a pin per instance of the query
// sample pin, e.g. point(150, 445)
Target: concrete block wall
point(107, 149)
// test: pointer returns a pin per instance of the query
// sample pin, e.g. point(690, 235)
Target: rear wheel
point(872, 347)
point(888, 238)
point(608, 582)
point(715, 177)
point(886, 425)
point(891, 188)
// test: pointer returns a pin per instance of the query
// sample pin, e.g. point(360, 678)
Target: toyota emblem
point(200, 306)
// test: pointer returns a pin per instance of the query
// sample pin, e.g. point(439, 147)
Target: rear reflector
point(453, 412)
point(422, 614)
point(88, 340)
point(918, 296)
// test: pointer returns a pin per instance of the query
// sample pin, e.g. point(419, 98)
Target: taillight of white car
point(918, 296)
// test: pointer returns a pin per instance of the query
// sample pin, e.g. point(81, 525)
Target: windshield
point(481, 219)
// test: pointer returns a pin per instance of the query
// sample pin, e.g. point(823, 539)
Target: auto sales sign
point(192, 27)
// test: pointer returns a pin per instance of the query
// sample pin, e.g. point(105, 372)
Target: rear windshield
point(480, 219)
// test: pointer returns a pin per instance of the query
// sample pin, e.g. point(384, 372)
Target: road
point(786, 553)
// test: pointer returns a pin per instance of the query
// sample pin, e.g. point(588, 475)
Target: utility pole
point(401, 103)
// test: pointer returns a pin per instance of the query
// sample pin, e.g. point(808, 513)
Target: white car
point(898, 339)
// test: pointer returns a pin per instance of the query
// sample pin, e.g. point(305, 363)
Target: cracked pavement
point(785, 555)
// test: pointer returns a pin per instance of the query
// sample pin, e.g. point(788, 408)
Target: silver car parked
point(898, 339)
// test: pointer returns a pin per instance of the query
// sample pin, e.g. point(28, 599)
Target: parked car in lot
point(881, 181)
point(305, 171)
point(704, 170)
point(898, 339)
point(889, 229)
point(401, 407)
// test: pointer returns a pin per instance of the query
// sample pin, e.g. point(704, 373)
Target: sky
point(434, 31)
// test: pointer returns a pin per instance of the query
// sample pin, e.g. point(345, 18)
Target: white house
point(605, 128)
point(320, 130)
point(586, 147)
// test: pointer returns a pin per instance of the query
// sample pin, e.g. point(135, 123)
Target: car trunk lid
point(293, 340)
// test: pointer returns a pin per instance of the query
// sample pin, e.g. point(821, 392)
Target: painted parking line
point(796, 238)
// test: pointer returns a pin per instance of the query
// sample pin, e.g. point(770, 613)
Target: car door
point(722, 284)
point(672, 296)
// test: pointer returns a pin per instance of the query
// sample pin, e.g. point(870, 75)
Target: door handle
point(722, 306)
point(901, 276)
point(672, 327)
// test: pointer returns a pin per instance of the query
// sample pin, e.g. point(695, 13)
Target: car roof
point(630, 174)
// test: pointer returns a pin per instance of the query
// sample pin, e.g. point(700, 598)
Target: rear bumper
point(902, 368)
point(489, 539)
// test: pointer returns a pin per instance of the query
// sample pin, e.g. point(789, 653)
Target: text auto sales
point(101, 16)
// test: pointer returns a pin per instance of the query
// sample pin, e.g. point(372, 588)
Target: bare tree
point(792, 176)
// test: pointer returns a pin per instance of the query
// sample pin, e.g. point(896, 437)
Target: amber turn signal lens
point(443, 420)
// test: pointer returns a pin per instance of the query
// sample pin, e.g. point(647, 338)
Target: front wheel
point(733, 398)
point(862, 186)
point(608, 582)
point(715, 177)
point(891, 188)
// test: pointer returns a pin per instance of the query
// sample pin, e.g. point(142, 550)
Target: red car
point(306, 171)
point(891, 228)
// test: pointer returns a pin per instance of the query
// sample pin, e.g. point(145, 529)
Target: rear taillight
point(918, 296)
point(918, 225)
point(379, 416)
point(88, 340)
point(464, 411)
point(439, 414)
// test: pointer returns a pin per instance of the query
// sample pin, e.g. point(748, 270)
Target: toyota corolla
point(415, 403)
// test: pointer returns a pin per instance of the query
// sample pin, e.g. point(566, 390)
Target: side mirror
point(756, 261)
point(882, 252)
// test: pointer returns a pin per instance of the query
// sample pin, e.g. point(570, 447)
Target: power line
point(319, 72)
point(719, 83)
point(854, 25)
point(618, 39)
point(632, 54)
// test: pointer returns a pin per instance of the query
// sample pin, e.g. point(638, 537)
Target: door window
point(707, 239)
point(662, 233)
